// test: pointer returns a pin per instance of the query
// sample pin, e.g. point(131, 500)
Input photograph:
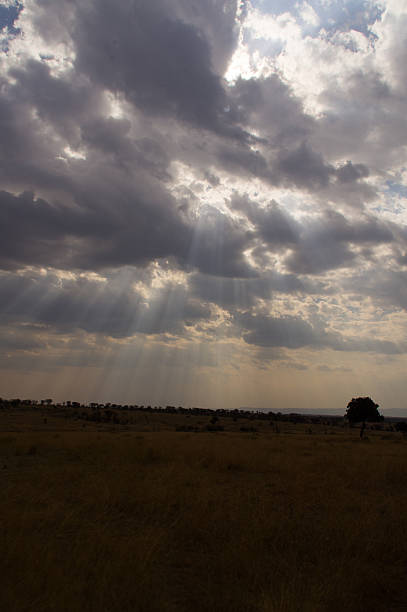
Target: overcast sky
point(203, 202)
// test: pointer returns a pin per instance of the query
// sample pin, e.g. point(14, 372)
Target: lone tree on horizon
point(362, 409)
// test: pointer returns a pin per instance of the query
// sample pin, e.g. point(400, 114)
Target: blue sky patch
point(338, 16)
point(397, 188)
point(8, 16)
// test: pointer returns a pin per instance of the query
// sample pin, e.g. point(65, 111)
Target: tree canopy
point(363, 409)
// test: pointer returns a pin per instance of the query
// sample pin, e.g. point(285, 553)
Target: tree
point(362, 409)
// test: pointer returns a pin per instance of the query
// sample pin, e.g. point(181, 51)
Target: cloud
point(320, 242)
point(326, 368)
point(133, 231)
point(65, 102)
point(293, 332)
point(107, 306)
point(162, 57)
point(274, 225)
point(332, 242)
point(267, 331)
point(304, 167)
point(387, 287)
point(203, 172)
point(218, 246)
point(351, 172)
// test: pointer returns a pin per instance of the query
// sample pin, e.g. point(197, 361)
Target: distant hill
point(388, 413)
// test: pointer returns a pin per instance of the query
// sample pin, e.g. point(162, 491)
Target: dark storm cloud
point(20, 137)
point(216, 19)
point(65, 102)
point(111, 136)
point(149, 74)
point(30, 148)
point(351, 172)
point(304, 167)
point(242, 160)
point(318, 242)
point(285, 150)
point(281, 155)
point(33, 305)
point(332, 241)
point(111, 208)
point(144, 222)
point(41, 113)
point(274, 225)
point(218, 246)
point(288, 332)
point(160, 58)
point(271, 108)
point(110, 199)
point(313, 257)
point(292, 332)
point(150, 52)
point(111, 308)
point(134, 229)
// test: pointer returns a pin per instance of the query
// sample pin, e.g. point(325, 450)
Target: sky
point(203, 202)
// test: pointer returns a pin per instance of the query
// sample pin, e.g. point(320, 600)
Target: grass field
point(149, 521)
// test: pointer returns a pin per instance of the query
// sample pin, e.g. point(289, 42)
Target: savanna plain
point(160, 514)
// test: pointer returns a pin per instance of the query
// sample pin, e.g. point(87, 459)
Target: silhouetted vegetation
point(123, 414)
point(362, 410)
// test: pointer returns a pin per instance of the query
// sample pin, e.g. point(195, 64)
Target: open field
point(103, 518)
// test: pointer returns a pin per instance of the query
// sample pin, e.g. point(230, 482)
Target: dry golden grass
point(174, 522)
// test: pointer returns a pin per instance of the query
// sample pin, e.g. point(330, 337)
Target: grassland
point(144, 518)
